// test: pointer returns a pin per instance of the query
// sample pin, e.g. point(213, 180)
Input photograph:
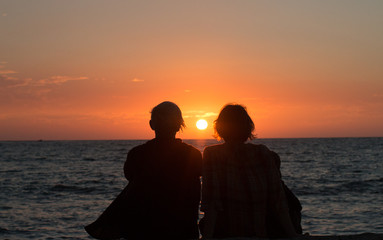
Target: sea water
point(52, 189)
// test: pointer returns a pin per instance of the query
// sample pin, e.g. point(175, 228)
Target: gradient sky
point(93, 69)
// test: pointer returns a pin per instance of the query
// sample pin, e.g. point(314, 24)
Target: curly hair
point(234, 124)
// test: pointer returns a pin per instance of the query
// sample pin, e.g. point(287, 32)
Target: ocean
point(52, 189)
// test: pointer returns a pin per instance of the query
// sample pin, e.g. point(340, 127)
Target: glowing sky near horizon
point(93, 69)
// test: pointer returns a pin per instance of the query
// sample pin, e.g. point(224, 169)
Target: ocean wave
point(5, 208)
point(371, 186)
point(367, 186)
point(71, 188)
point(11, 171)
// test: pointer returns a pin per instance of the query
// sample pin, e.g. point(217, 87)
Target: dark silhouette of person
point(242, 191)
point(162, 198)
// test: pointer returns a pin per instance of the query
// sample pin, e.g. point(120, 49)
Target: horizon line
point(147, 139)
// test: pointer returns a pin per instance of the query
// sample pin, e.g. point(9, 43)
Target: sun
point(201, 124)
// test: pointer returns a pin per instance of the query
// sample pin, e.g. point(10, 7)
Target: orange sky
point(94, 69)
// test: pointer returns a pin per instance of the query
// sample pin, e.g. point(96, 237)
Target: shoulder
point(140, 148)
point(192, 150)
point(265, 154)
point(261, 151)
point(259, 148)
point(213, 149)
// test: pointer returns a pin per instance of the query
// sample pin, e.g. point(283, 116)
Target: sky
point(94, 69)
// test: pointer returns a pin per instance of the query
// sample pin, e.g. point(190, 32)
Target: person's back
point(243, 184)
point(241, 188)
point(164, 179)
point(163, 194)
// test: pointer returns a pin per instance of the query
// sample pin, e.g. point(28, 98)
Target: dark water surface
point(51, 189)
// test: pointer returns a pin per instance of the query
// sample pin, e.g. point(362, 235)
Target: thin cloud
point(12, 82)
point(3, 72)
point(23, 83)
point(58, 80)
point(190, 113)
point(137, 80)
point(208, 114)
point(6, 77)
point(200, 114)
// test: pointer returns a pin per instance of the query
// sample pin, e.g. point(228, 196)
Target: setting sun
point(201, 124)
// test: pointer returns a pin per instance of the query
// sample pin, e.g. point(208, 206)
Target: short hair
point(168, 116)
point(234, 123)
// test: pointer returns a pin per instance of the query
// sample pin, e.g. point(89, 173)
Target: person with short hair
point(162, 198)
point(241, 185)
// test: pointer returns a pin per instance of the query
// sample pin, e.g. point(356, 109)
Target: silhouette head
point(166, 119)
point(234, 124)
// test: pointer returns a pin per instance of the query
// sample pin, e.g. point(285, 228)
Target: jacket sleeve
point(277, 196)
point(130, 165)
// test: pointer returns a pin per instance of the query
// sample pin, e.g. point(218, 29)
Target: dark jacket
point(162, 197)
